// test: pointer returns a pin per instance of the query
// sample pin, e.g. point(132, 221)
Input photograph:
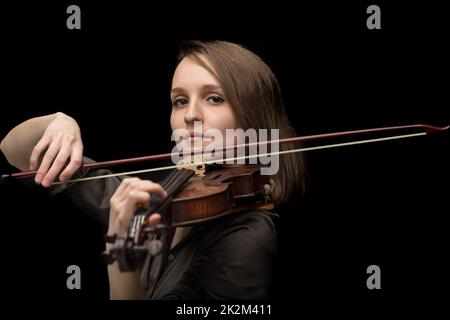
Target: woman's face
point(197, 96)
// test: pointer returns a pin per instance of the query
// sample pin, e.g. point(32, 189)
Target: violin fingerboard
point(172, 184)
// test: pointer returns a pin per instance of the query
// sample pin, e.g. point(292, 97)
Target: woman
point(223, 86)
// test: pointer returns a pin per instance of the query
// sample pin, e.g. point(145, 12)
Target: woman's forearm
point(18, 144)
point(124, 285)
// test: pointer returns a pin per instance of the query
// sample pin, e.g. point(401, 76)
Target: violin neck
point(172, 184)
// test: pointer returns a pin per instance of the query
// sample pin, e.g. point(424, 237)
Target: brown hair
point(255, 96)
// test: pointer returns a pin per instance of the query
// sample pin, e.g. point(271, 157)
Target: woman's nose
point(193, 112)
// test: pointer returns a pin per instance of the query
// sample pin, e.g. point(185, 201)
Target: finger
point(136, 199)
point(151, 187)
point(154, 219)
point(139, 199)
point(129, 184)
point(74, 164)
point(49, 156)
point(141, 185)
point(120, 193)
point(57, 165)
point(121, 220)
point(37, 151)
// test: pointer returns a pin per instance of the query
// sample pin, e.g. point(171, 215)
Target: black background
point(383, 204)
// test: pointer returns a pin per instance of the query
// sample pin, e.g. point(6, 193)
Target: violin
point(194, 196)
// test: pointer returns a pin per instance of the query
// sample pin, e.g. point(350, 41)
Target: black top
point(228, 258)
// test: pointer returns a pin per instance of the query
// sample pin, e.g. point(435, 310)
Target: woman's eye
point(216, 99)
point(180, 102)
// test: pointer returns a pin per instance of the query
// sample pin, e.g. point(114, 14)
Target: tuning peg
point(108, 257)
point(110, 238)
point(148, 231)
point(154, 247)
point(160, 228)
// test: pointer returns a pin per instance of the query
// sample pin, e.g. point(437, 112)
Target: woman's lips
point(196, 137)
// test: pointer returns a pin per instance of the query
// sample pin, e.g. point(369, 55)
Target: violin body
point(217, 193)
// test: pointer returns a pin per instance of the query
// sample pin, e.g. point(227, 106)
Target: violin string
point(180, 177)
point(139, 217)
point(177, 166)
point(171, 184)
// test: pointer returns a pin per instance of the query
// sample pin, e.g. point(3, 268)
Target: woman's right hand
point(61, 151)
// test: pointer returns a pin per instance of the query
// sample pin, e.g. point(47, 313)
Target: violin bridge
point(199, 169)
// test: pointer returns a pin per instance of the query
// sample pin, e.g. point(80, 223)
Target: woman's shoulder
point(257, 227)
point(253, 220)
point(245, 219)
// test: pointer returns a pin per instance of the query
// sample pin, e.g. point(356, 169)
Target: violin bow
point(423, 130)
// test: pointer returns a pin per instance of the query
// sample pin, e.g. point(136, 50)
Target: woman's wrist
point(19, 142)
point(114, 229)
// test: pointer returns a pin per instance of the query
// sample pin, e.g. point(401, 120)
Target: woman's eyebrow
point(211, 87)
point(177, 90)
point(205, 87)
